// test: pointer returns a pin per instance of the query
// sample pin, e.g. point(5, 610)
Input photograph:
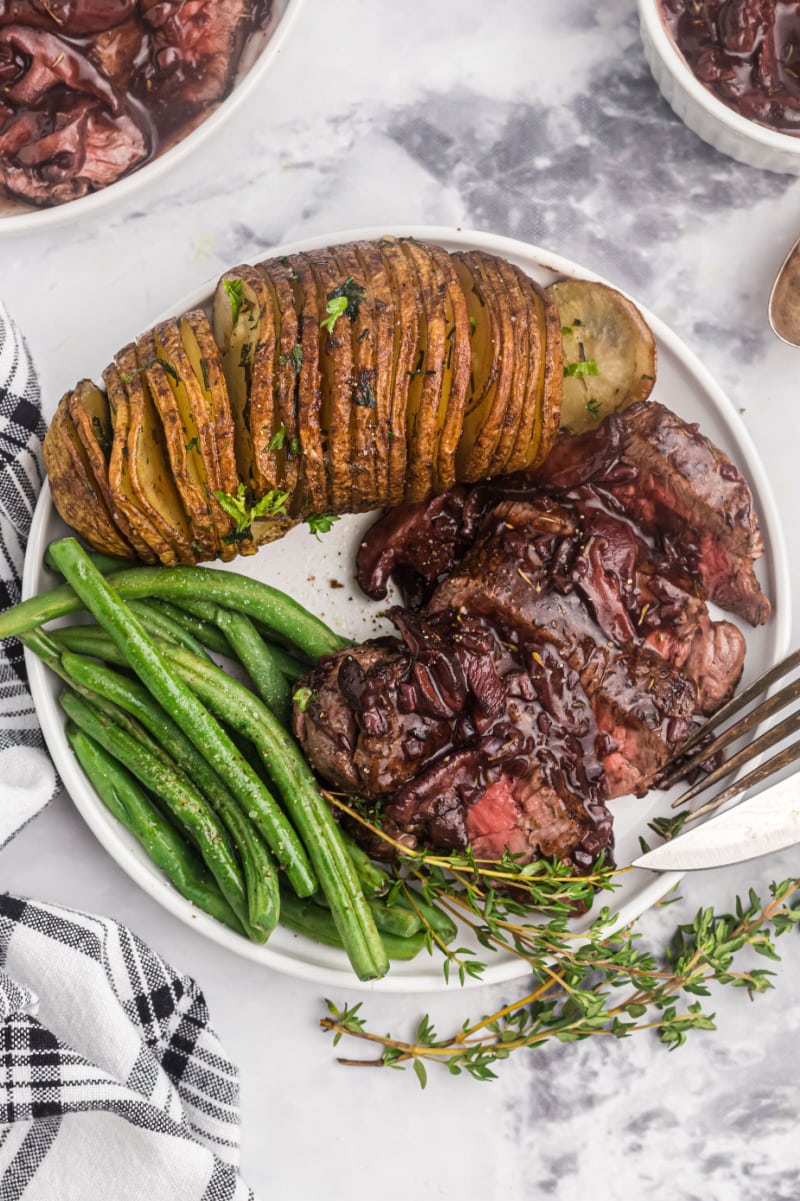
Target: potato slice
point(521, 315)
point(197, 417)
point(508, 400)
point(531, 334)
point(457, 362)
point(375, 358)
point(74, 489)
point(119, 475)
point(609, 352)
point(491, 371)
point(89, 412)
point(336, 369)
point(365, 436)
point(205, 362)
point(150, 476)
point(245, 332)
point(182, 443)
point(553, 396)
point(285, 376)
point(406, 332)
point(424, 394)
point(314, 496)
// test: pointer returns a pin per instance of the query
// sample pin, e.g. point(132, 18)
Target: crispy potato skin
point(336, 380)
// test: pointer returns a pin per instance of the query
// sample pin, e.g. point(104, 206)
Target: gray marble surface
point(536, 119)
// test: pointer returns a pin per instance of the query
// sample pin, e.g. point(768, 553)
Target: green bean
point(256, 658)
point(440, 922)
point(207, 615)
point(203, 631)
point(104, 563)
point(279, 613)
point(47, 650)
point(179, 862)
point(261, 881)
point(183, 706)
point(246, 713)
point(390, 919)
point(374, 880)
point(177, 793)
point(155, 621)
point(306, 917)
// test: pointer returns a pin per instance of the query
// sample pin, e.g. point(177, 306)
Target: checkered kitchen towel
point(113, 1085)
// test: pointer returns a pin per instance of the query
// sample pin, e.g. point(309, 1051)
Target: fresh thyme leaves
point(587, 367)
point(345, 299)
point(235, 290)
point(320, 523)
point(277, 440)
point(593, 407)
point(272, 504)
point(603, 984)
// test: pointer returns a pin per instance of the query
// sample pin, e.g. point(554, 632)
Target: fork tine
point(739, 701)
point(771, 737)
point(789, 754)
point(773, 704)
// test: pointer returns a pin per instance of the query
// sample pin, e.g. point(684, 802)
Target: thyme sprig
point(602, 985)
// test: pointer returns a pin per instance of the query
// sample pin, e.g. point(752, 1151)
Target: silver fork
point(679, 766)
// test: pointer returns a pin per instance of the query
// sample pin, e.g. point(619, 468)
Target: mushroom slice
point(609, 352)
point(74, 489)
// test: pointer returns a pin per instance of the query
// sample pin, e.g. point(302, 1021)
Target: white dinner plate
point(319, 574)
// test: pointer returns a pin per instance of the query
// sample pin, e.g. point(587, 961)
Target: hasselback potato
point(331, 381)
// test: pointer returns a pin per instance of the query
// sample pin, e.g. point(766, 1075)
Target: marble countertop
point(541, 121)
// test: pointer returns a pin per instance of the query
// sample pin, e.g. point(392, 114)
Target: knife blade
point(767, 822)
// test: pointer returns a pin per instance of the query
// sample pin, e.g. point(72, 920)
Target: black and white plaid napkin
point(113, 1084)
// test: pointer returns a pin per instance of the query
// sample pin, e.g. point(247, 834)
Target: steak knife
point(767, 822)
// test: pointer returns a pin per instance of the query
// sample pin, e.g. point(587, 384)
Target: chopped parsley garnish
point(343, 300)
point(295, 358)
point(588, 367)
point(363, 394)
point(566, 330)
point(593, 408)
point(193, 444)
point(235, 290)
point(473, 325)
point(294, 446)
point(320, 523)
point(301, 697)
point(277, 440)
point(272, 504)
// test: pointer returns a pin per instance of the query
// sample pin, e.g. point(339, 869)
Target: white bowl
point(705, 113)
point(251, 71)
